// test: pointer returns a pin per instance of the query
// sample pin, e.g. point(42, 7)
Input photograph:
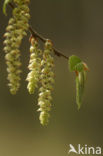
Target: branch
point(36, 34)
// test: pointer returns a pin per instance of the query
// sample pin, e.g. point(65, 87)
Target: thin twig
point(36, 34)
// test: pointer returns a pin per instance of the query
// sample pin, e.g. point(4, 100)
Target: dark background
point(75, 27)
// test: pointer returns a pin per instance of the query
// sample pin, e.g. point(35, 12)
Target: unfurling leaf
point(73, 61)
point(80, 84)
point(80, 68)
point(5, 5)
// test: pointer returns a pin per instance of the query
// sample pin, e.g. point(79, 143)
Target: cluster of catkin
point(41, 61)
point(15, 31)
point(41, 74)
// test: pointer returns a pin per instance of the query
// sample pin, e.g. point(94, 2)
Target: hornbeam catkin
point(47, 81)
point(15, 31)
point(33, 76)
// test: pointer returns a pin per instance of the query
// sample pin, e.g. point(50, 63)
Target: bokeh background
point(75, 27)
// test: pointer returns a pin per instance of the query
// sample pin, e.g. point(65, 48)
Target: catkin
point(47, 81)
point(34, 66)
point(15, 31)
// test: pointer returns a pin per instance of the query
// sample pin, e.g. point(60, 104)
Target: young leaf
point(80, 84)
point(80, 68)
point(5, 5)
point(73, 61)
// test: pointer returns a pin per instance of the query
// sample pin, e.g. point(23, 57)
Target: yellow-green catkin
point(15, 31)
point(33, 76)
point(47, 81)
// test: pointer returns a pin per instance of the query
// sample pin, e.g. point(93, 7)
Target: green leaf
point(80, 68)
point(5, 5)
point(73, 62)
point(80, 84)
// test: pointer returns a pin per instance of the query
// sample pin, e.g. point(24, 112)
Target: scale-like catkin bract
point(47, 81)
point(33, 76)
point(15, 31)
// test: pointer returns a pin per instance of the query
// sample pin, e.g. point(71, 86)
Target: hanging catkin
point(47, 81)
point(16, 29)
point(34, 66)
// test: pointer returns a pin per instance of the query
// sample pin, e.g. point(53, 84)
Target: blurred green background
point(75, 27)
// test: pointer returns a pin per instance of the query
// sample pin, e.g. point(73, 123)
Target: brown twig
point(36, 34)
